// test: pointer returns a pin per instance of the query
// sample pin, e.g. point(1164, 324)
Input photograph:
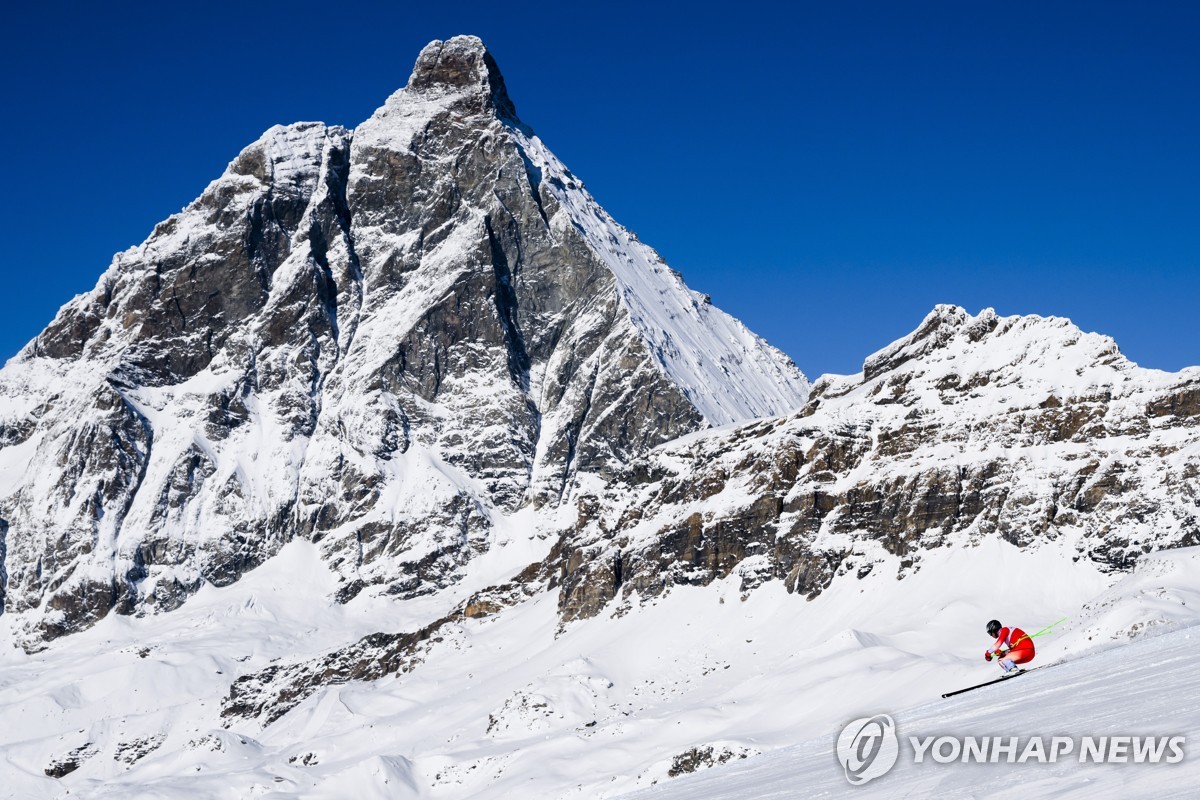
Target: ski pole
point(1042, 632)
point(1046, 629)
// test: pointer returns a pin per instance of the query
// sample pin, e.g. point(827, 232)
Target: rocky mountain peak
point(951, 338)
point(387, 341)
point(943, 324)
point(461, 64)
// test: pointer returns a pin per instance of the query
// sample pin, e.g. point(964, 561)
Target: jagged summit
point(949, 328)
point(461, 64)
point(384, 340)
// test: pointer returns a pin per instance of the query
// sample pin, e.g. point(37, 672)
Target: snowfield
point(509, 706)
point(1148, 688)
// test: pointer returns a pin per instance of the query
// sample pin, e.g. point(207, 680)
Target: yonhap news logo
point(868, 748)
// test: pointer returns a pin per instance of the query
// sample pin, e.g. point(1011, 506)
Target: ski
point(989, 683)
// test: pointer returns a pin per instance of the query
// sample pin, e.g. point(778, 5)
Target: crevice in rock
point(345, 216)
point(179, 311)
point(130, 586)
point(507, 308)
point(3, 564)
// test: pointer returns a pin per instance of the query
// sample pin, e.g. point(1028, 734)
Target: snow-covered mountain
point(381, 339)
point(451, 488)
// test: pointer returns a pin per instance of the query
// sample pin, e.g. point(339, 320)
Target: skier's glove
point(987, 655)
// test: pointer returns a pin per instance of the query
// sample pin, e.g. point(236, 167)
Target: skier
point(1012, 647)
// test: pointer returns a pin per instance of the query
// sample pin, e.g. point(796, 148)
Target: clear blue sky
point(827, 172)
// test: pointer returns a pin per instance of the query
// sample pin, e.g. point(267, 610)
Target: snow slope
point(513, 705)
point(1149, 688)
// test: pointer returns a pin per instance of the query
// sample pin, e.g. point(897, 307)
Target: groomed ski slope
point(1147, 688)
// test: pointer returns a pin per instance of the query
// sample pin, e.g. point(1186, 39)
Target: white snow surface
point(504, 707)
point(1149, 689)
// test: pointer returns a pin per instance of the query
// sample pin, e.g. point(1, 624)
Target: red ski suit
point(1020, 646)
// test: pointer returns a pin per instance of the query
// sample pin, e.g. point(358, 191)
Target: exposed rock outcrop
point(1019, 427)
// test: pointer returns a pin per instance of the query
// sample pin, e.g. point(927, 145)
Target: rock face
point(971, 427)
point(382, 340)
